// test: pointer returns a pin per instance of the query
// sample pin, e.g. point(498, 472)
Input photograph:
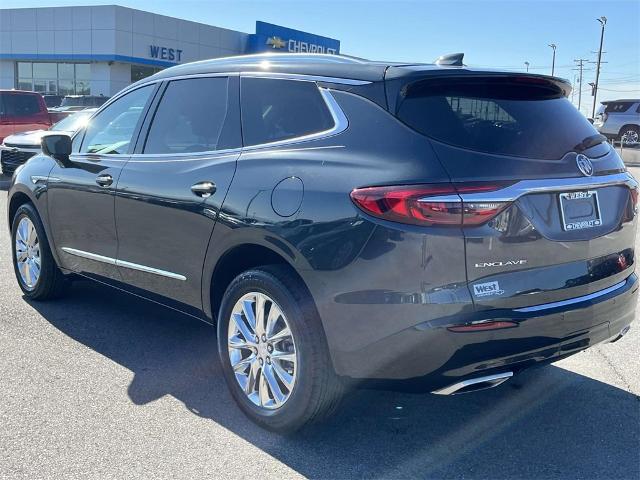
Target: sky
point(499, 34)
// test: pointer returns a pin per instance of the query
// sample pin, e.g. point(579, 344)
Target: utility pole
point(603, 22)
point(553, 62)
point(580, 62)
point(527, 65)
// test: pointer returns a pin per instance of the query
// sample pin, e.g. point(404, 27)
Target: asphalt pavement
point(105, 385)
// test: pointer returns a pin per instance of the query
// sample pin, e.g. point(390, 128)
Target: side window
point(111, 130)
point(22, 105)
point(617, 107)
point(193, 116)
point(274, 110)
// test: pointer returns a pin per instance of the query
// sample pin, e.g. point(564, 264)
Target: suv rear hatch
point(561, 207)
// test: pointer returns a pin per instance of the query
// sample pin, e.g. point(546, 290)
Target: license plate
point(580, 210)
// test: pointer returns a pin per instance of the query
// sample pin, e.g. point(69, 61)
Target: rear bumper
point(430, 355)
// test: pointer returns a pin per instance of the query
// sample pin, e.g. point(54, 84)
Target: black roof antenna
point(452, 60)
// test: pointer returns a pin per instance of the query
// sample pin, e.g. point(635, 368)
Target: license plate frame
point(571, 226)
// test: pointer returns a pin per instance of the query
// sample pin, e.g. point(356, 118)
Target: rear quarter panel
point(369, 279)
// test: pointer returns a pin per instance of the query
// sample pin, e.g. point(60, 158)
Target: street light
point(553, 62)
point(527, 64)
point(603, 22)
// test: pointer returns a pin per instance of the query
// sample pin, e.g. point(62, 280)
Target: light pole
point(603, 22)
point(553, 62)
point(527, 65)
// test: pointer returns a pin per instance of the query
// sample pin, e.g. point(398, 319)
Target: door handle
point(204, 189)
point(104, 180)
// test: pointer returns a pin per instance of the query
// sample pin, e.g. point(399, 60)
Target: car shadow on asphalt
point(545, 423)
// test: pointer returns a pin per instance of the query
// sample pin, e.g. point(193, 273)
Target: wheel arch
point(627, 125)
point(15, 202)
point(235, 260)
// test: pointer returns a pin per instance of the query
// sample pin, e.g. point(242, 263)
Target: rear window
point(274, 110)
point(617, 107)
point(187, 123)
point(501, 116)
point(20, 105)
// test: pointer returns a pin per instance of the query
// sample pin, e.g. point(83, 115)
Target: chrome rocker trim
point(122, 263)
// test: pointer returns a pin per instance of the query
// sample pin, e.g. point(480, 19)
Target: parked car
point(20, 147)
point(21, 111)
point(620, 120)
point(75, 103)
point(342, 221)
point(53, 100)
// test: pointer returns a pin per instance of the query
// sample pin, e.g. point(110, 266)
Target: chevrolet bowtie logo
point(276, 42)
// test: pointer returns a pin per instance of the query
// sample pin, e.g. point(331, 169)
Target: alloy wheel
point(262, 350)
point(28, 258)
point(630, 137)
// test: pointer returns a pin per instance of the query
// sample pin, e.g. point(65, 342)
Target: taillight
point(435, 204)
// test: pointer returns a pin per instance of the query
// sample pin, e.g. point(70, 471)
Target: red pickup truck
point(21, 111)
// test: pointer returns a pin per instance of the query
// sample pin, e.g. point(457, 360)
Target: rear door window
point(194, 116)
point(22, 105)
point(275, 110)
point(498, 116)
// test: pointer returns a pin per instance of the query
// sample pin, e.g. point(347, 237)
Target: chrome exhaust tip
point(475, 384)
point(624, 331)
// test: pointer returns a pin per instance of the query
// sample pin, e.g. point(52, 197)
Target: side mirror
point(57, 146)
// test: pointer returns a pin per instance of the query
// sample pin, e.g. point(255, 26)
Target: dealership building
point(98, 50)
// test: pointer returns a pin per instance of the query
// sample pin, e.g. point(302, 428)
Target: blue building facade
point(99, 50)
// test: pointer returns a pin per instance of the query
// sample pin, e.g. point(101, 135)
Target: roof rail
point(452, 59)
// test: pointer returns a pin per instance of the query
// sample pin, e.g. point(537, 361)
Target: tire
point(629, 135)
point(50, 282)
point(316, 390)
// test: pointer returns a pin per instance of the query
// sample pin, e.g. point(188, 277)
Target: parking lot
point(104, 385)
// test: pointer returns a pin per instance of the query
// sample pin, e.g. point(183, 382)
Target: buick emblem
point(584, 165)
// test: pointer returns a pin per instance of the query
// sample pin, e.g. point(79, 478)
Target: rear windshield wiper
point(589, 142)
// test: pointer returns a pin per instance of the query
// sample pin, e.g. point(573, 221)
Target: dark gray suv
point(343, 221)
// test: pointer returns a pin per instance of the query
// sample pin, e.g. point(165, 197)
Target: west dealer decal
point(487, 289)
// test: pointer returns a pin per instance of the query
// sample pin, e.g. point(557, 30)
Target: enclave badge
point(584, 165)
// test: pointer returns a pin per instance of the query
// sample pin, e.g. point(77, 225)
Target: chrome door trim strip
point(571, 301)
point(340, 124)
point(89, 255)
point(560, 185)
point(122, 263)
point(155, 271)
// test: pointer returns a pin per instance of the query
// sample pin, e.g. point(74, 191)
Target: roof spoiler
point(452, 60)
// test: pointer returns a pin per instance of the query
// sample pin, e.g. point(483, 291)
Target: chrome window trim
point(560, 185)
point(122, 263)
point(340, 124)
point(248, 73)
point(571, 301)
